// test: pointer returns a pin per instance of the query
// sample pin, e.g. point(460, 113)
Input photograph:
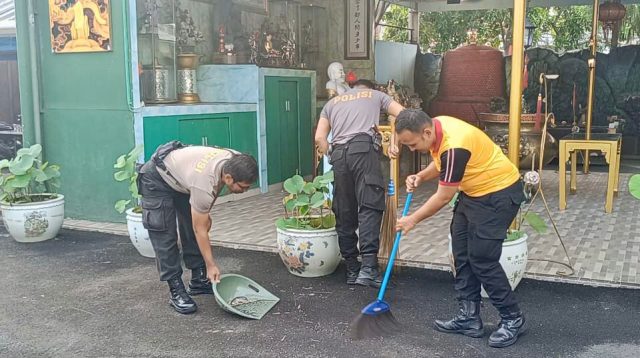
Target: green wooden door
point(288, 123)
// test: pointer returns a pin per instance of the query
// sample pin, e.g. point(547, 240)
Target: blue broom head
point(376, 308)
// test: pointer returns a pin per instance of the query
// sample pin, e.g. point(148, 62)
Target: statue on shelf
point(336, 84)
point(269, 53)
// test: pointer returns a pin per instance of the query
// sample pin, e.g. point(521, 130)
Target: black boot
point(511, 326)
point(179, 299)
point(200, 284)
point(353, 268)
point(369, 274)
point(467, 321)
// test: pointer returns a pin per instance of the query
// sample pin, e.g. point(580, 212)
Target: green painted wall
point(86, 121)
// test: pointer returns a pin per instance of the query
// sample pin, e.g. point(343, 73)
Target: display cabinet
point(157, 50)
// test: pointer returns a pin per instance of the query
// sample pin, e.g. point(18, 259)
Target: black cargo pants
point(165, 212)
point(478, 229)
point(358, 196)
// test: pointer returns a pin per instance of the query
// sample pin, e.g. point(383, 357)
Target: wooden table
point(609, 144)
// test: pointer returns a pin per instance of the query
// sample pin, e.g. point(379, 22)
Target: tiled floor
point(604, 248)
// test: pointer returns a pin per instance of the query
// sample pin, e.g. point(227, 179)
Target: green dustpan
point(243, 296)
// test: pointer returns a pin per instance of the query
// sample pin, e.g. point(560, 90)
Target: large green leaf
point(317, 200)
point(304, 210)
point(121, 205)
point(308, 188)
point(21, 181)
point(52, 170)
point(133, 189)
point(20, 165)
point(4, 163)
point(634, 186)
point(294, 184)
point(135, 152)
point(121, 175)
point(535, 221)
point(33, 151)
point(290, 205)
point(40, 175)
point(328, 221)
point(120, 162)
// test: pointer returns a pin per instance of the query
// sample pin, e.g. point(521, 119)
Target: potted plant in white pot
point(515, 253)
point(32, 211)
point(126, 172)
point(307, 239)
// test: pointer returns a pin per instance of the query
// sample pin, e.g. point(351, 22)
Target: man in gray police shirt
point(359, 196)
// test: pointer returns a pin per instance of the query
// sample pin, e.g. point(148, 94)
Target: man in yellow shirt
point(465, 159)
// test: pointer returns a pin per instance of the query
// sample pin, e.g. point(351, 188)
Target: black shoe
point(369, 274)
point(200, 284)
point(511, 326)
point(467, 321)
point(353, 268)
point(179, 299)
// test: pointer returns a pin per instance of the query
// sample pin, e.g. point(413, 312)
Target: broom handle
point(394, 251)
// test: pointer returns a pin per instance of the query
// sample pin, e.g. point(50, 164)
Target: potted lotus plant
point(32, 211)
point(306, 235)
point(125, 167)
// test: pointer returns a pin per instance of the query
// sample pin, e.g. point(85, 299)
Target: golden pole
point(592, 77)
point(515, 95)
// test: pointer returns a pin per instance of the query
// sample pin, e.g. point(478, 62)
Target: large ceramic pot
point(36, 221)
point(139, 235)
point(496, 125)
point(309, 253)
point(514, 258)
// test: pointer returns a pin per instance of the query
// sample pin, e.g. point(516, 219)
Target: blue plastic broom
point(376, 318)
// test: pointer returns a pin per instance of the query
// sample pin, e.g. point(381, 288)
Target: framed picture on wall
point(80, 26)
point(257, 6)
point(357, 29)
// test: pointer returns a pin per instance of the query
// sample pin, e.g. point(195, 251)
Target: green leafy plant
point(307, 206)
point(25, 179)
point(126, 171)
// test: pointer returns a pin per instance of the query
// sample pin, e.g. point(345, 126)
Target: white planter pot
point(309, 253)
point(513, 260)
point(139, 235)
point(34, 222)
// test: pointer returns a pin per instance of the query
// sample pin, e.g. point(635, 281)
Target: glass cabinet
point(157, 50)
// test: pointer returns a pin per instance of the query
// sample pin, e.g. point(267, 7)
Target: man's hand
point(412, 182)
point(322, 147)
point(213, 273)
point(406, 224)
point(394, 151)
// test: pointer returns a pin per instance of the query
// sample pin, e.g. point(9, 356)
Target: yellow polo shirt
point(467, 158)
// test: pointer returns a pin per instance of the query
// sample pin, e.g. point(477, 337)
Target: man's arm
point(394, 146)
point(201, 225)
point(429, 173)
point(322, 132)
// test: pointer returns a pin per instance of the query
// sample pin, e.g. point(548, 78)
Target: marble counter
point(200, 108)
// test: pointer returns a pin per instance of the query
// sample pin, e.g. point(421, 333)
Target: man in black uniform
point(359, 195)
point(182, 182)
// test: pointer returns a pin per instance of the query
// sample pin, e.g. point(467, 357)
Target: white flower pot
point(513, 260)
point(139, 235)
point(309, 253)
point(34, 222)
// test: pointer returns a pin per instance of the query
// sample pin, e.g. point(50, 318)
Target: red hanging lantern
point(610, 13)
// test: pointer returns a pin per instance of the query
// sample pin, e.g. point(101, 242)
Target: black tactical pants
point(161, 206)
point(358, 196)
point(478, 229)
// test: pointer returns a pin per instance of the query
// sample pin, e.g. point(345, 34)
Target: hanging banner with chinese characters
point(357, 29)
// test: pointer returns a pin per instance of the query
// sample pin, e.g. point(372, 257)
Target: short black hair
point(242, 168)
point(412, 120)
point(364, 83)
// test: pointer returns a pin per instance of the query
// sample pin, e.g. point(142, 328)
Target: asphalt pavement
point(91, 295)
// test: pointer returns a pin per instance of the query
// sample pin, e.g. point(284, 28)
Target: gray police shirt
point(354, 112)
